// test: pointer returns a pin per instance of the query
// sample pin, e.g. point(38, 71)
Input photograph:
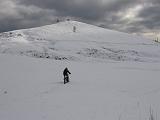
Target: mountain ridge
point(67, 27)
point(87, 42)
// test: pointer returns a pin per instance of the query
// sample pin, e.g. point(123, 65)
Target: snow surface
point(115, 76)
point(88, 43)
point(33, 89)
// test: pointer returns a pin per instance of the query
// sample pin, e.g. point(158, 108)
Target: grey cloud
point(86, 9)
point(150, 17)
point(146, 20)
point(18, 16)
point(32, 13)
point(153, 1)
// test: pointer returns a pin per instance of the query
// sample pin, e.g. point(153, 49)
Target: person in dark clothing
point(66, 76)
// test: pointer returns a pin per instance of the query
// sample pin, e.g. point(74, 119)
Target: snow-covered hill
point(101, 89)
point(87, 43)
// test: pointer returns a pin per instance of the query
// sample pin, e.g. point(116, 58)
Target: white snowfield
point(115, 76)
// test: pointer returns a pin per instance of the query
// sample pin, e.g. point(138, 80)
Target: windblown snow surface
point(115, 76)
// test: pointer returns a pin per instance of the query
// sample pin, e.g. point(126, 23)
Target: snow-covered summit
point(33, 89)
point(64, 31)
point(72, 40)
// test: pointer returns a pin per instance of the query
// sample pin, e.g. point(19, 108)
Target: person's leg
point(64, 79)
point(67, 78)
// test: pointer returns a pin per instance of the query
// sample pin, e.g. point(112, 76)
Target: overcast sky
point(131, 16)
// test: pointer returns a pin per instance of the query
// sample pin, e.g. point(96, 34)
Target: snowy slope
point(33, 89)
point(88, 43)
point(103, 88)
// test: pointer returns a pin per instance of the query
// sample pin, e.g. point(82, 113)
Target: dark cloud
point(17, 14)
point(153, 1)
point(14, 16)
point(86, 9)
point(148, 18)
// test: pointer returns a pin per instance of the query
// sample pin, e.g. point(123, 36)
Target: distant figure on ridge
point(66, 76)
point(74, 28)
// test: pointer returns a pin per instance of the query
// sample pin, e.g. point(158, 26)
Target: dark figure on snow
point(66, 76)
point(74, 28)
